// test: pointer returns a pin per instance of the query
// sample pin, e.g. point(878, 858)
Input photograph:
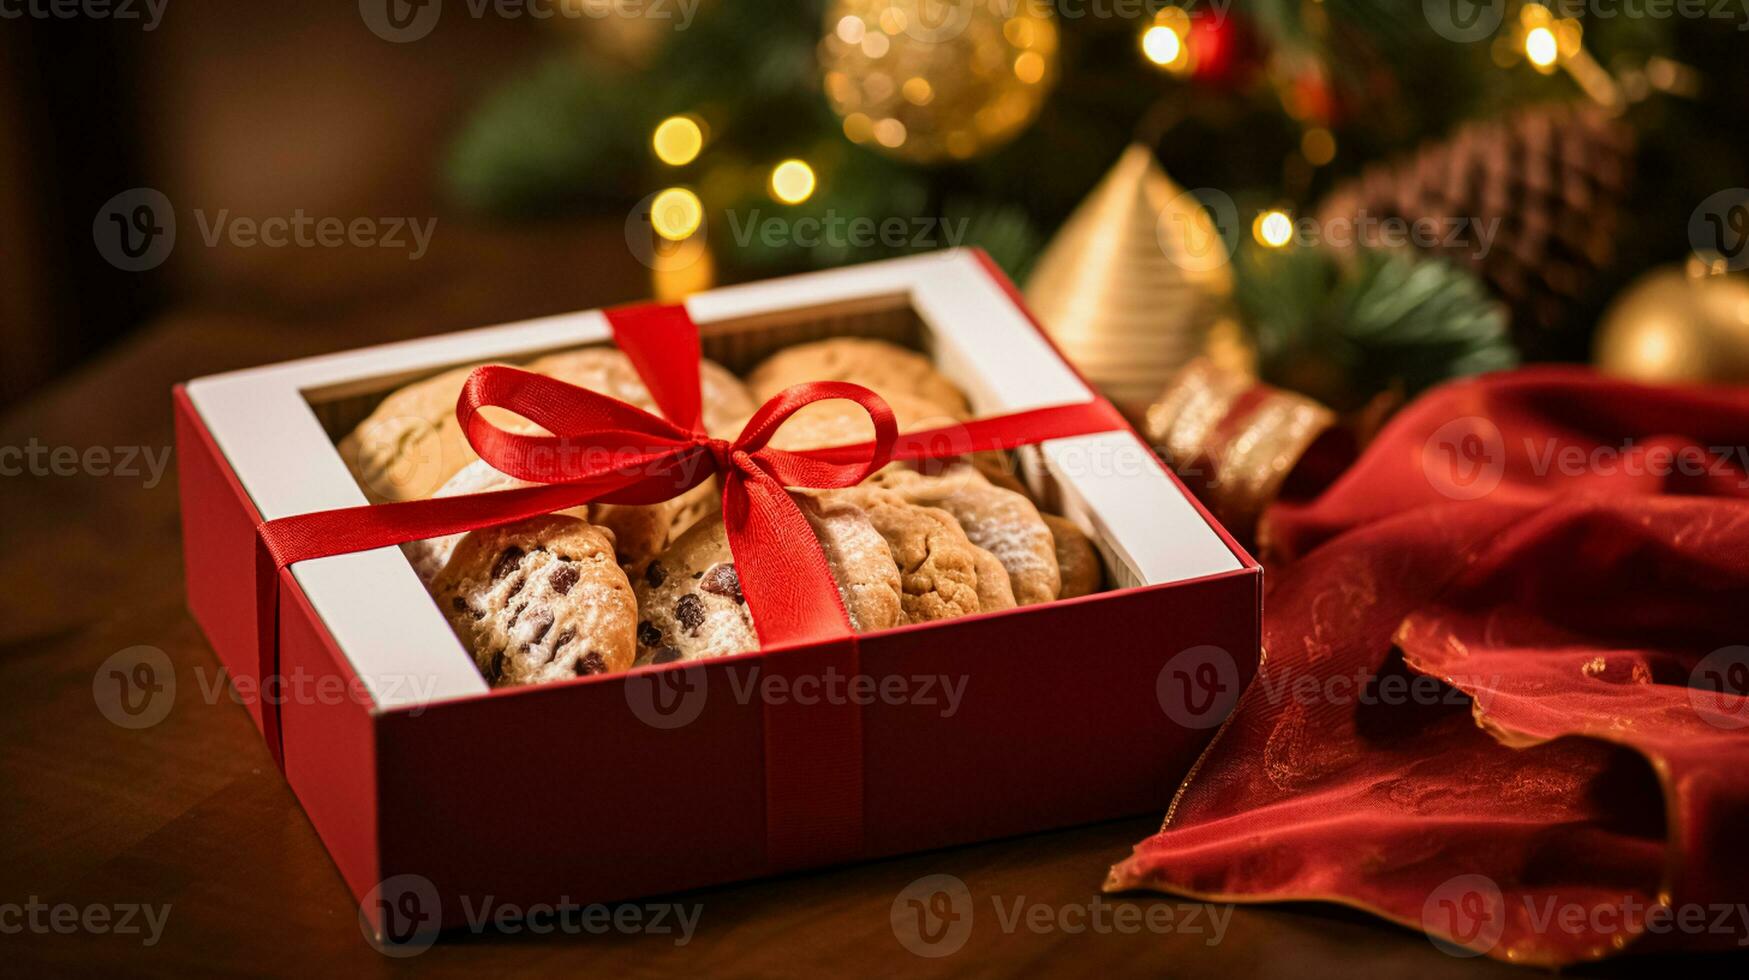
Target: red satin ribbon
point(604, 450)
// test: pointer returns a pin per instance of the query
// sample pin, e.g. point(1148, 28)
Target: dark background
point(258, 108)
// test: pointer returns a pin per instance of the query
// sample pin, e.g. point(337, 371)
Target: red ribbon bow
point(604, 450)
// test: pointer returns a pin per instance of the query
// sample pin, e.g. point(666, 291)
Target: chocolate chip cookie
point(638, 531)
point(1079, 563)
point(887, 368)
point(1002, 522)
point(691, 603)
point(539, 600)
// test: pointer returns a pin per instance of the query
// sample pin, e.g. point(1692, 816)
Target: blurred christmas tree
point(870, 128)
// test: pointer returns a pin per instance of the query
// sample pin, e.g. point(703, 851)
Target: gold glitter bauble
point(1678, 325)
point(933, 80)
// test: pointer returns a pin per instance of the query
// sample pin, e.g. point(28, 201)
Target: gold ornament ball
point(932, 80)
point(1678, 325)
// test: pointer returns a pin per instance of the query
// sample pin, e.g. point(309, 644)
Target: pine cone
point(1530, 202)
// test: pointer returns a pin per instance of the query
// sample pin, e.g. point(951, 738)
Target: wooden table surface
point(191, 813)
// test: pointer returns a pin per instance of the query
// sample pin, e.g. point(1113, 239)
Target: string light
point(1273, 228)
point(792, 181)
point(1162, 45)
point(1541, 48)
point(676, 213)
point(677, 140)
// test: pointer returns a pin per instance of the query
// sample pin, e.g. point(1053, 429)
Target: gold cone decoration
point(1133, 282)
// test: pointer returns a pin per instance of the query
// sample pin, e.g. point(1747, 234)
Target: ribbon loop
point(808, 468)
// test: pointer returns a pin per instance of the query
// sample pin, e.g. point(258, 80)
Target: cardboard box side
point(599, 789)
point(1062, 714)
point(328, 727)
point(218, 547)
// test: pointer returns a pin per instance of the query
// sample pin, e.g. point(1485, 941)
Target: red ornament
point(1223, 49)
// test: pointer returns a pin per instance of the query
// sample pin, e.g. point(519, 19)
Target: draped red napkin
point(1569, 557)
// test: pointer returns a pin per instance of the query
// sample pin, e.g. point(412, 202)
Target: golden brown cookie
point(938, 566)
point(690, 602)
point(995, 593)
point(887, 368)
point(411, 443)
point(539, 600)
point(1002, 522)
point(639, 531)
point(838, 422)
point(607, 370)
point(1076, 558)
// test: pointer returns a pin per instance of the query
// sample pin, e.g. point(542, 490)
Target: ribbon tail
point(267, 646)
point(813, 747)
point(783, 572)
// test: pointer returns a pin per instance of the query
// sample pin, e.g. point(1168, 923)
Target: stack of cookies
point(603, 587)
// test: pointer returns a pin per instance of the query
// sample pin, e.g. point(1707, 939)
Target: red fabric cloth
point(1569, 557)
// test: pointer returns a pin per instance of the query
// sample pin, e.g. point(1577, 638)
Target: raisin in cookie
point(938, 565)
point(690, 599)
point(1002, 522)
point(886, 368)
point(539, 600)
point(1076, 558)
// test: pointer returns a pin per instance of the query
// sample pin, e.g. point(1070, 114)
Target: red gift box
point(674, 777)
